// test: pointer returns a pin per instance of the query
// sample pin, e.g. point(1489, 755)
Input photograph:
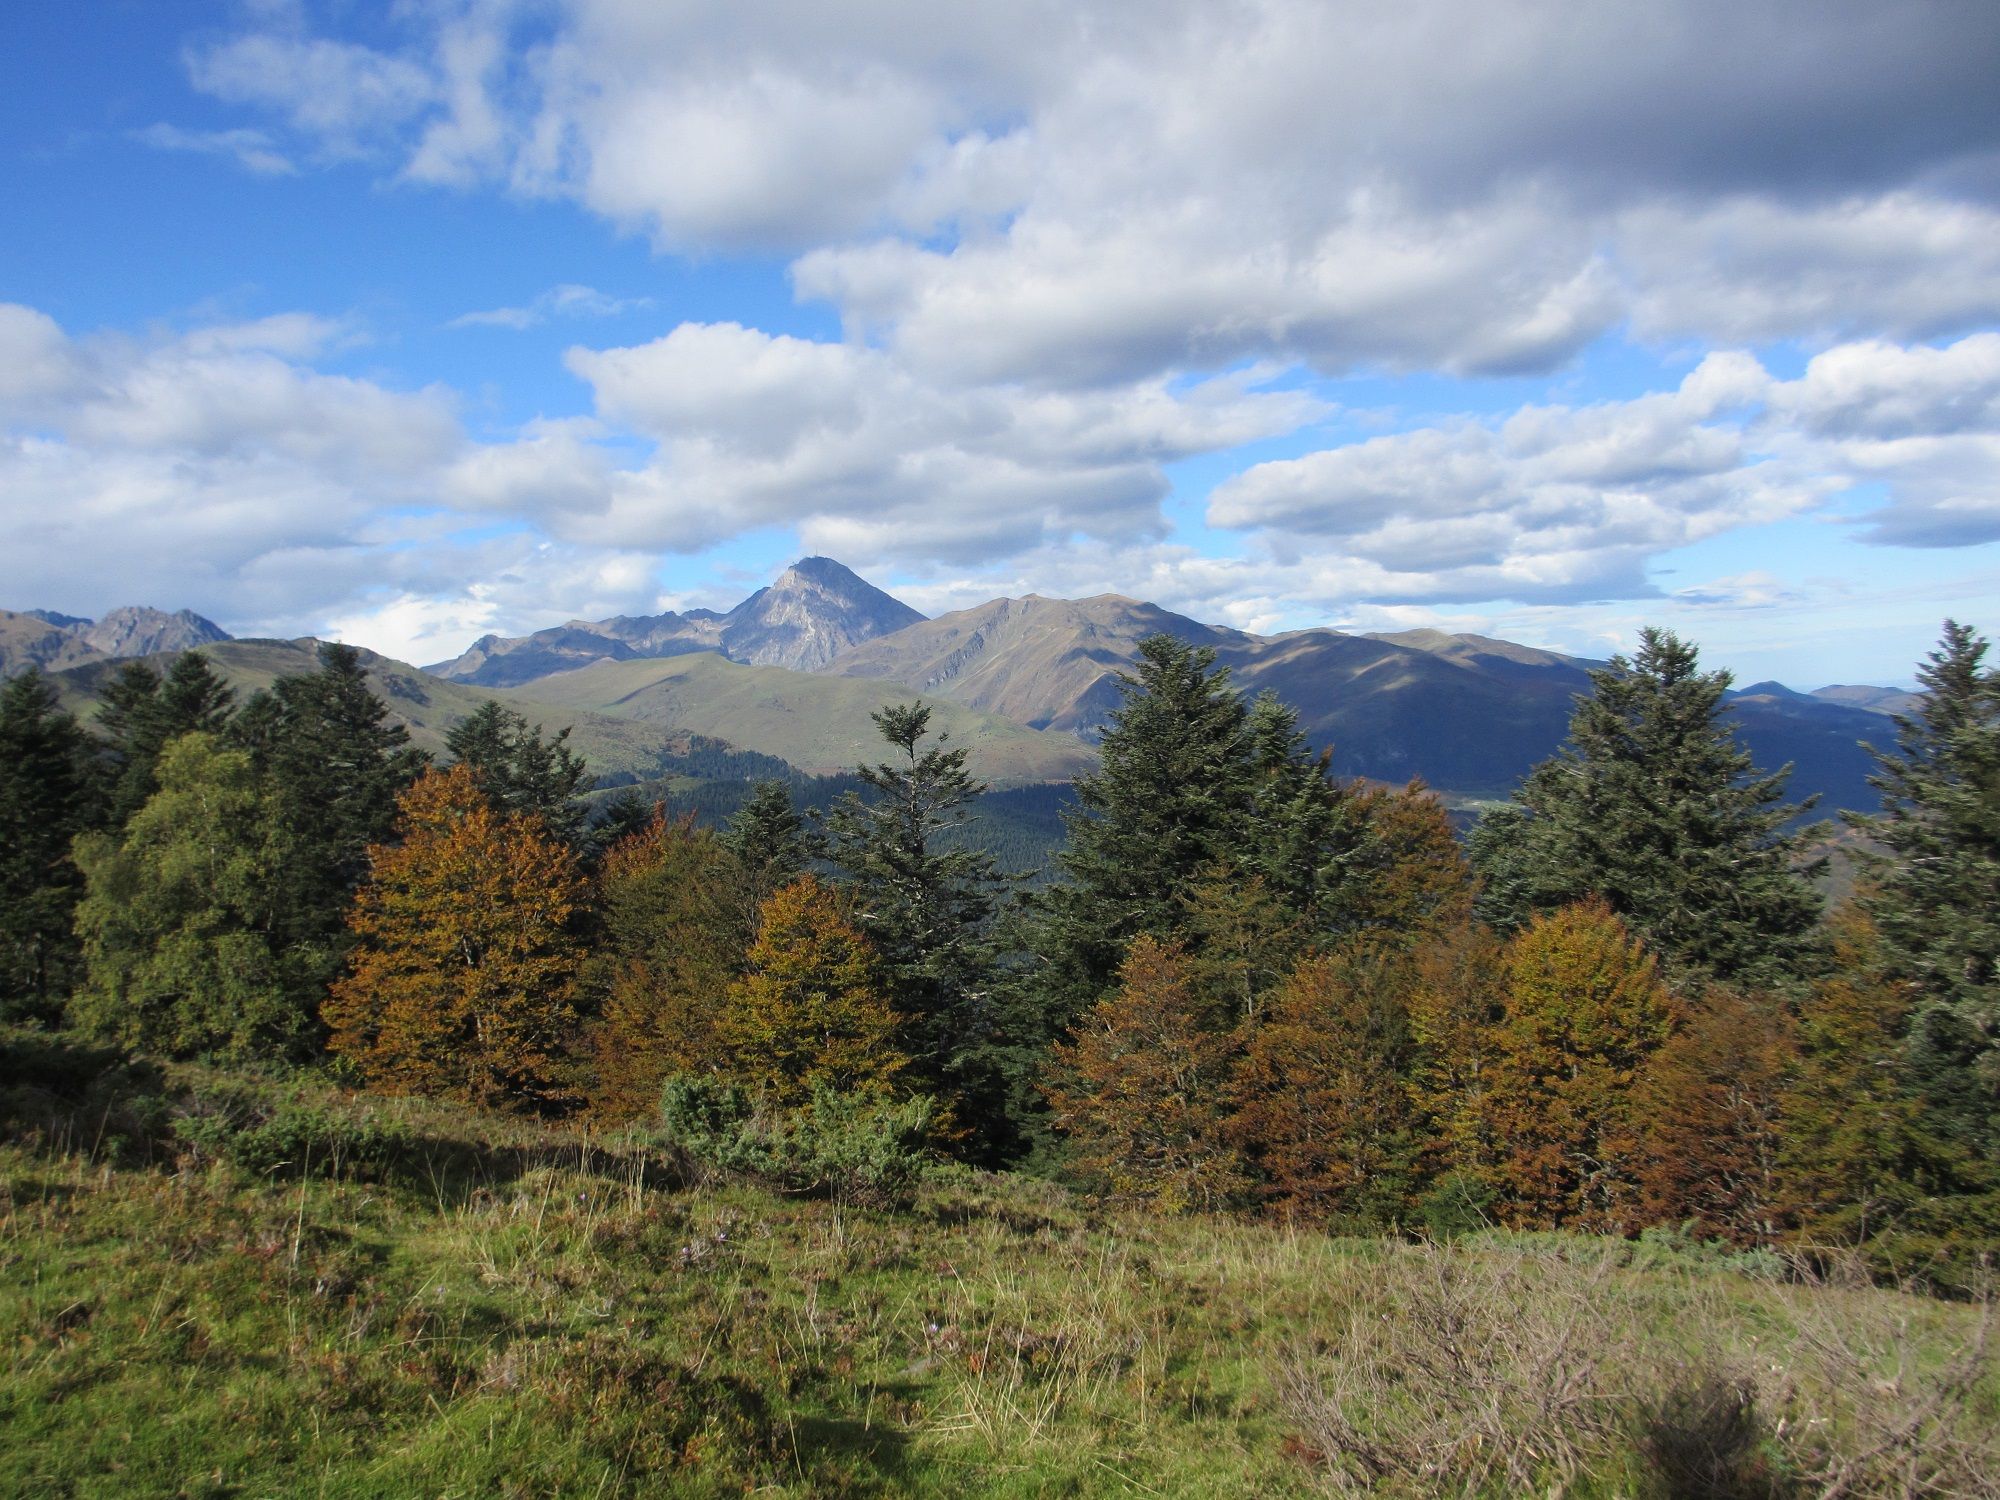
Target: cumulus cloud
point(756, 430)
point(1101, 192)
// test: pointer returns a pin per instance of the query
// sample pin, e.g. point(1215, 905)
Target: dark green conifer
point(1936, 895)
point(143, 713)
point(1654, 805)
point(770, 839)
point(519, 770)
point(48, 795)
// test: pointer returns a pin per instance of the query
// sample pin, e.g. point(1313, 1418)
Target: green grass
point(485, 1306)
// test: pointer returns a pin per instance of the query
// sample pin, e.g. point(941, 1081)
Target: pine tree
point(1169, 801)
point(1321, 1103)
point(770, 839)
point(143, 713)
point(183, 917)
point(48, 795)
point(810, 1013)
point(1140, 1089)
point(1936, 896)
point(1585, 1013)
point(673, 928)
point(926, 904)
point(1241, 940)
point(520, 770)
point(1653, 805)
point(462, 981)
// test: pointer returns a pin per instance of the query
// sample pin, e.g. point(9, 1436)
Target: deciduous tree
point(462, 981)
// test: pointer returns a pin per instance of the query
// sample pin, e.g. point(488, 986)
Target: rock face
point(45, 638)
point(811, 613)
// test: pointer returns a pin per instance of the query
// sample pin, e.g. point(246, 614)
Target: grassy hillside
point(818, 723)
point(216, 1285)
point(617, 748)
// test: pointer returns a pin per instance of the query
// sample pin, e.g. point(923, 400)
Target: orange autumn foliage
point(1321, 1107)
point(1140, 1089)
point(461, 984)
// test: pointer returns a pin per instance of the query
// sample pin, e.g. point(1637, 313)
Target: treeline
point(1251, 987)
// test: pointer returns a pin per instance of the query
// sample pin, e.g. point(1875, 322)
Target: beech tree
point(1140, 1089)
point(462, 980)
point(183, 919)
point(1709, 1107)
point(1653, 805)
point(1586, 1012)
point(673, 928)
point(1321, 1104)
point(810, 1013)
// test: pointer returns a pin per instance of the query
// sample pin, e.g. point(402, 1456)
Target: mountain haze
point(45, 638)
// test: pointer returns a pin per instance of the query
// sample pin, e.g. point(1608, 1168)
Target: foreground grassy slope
point(818, 723)
point(478, 1306)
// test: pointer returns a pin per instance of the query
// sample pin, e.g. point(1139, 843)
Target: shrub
point(853, 1148)
point(290, 1137)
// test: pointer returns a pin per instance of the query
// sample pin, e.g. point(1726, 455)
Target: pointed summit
point(812, 612)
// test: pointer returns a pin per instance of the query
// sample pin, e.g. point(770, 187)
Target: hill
point(816, 722)
point(222, 1284)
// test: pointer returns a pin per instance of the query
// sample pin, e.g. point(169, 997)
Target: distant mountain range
point(44, 638)
point(1027, 684)
point(811, 613)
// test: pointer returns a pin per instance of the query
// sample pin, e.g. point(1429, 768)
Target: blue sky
point(406, 323)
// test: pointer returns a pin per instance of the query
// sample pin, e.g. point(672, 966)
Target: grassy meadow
point(228, 1284)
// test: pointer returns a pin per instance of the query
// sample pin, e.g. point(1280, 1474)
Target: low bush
point(291, 1137)
point(852, 1148)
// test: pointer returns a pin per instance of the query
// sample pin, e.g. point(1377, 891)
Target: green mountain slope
point(818, 723)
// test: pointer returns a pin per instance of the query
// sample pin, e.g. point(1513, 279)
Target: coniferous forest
point(1620, 1013)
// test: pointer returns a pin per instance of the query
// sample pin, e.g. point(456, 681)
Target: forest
point(1251, 988)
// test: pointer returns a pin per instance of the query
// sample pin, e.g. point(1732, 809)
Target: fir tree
point(1653, 805)
point(926, 903)
point(1936, 896)
point(520, 770)
point(770, 839)
point(48, 795)
point(462, 980)
point(183, 920)
point(1169, 802)
point(143, 713)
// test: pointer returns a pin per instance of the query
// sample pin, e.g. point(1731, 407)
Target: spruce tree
point(143, 713)
point(1936, 895)
point(926, 903)
point(48, 795)
point(519, 770)
point(1654, 805)
point(1169, 802)
point(770, 839)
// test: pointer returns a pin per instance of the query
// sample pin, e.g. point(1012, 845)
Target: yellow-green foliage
point(810, 1012)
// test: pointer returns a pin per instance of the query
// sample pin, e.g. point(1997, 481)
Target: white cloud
point(252, 150)
point(566, 301)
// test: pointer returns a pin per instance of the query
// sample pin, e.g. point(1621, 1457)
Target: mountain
point(1878, 700)
point(807, 616)
point(1468, 714)
point(45, 638)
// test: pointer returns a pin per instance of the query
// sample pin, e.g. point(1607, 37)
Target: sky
point(406, 322)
